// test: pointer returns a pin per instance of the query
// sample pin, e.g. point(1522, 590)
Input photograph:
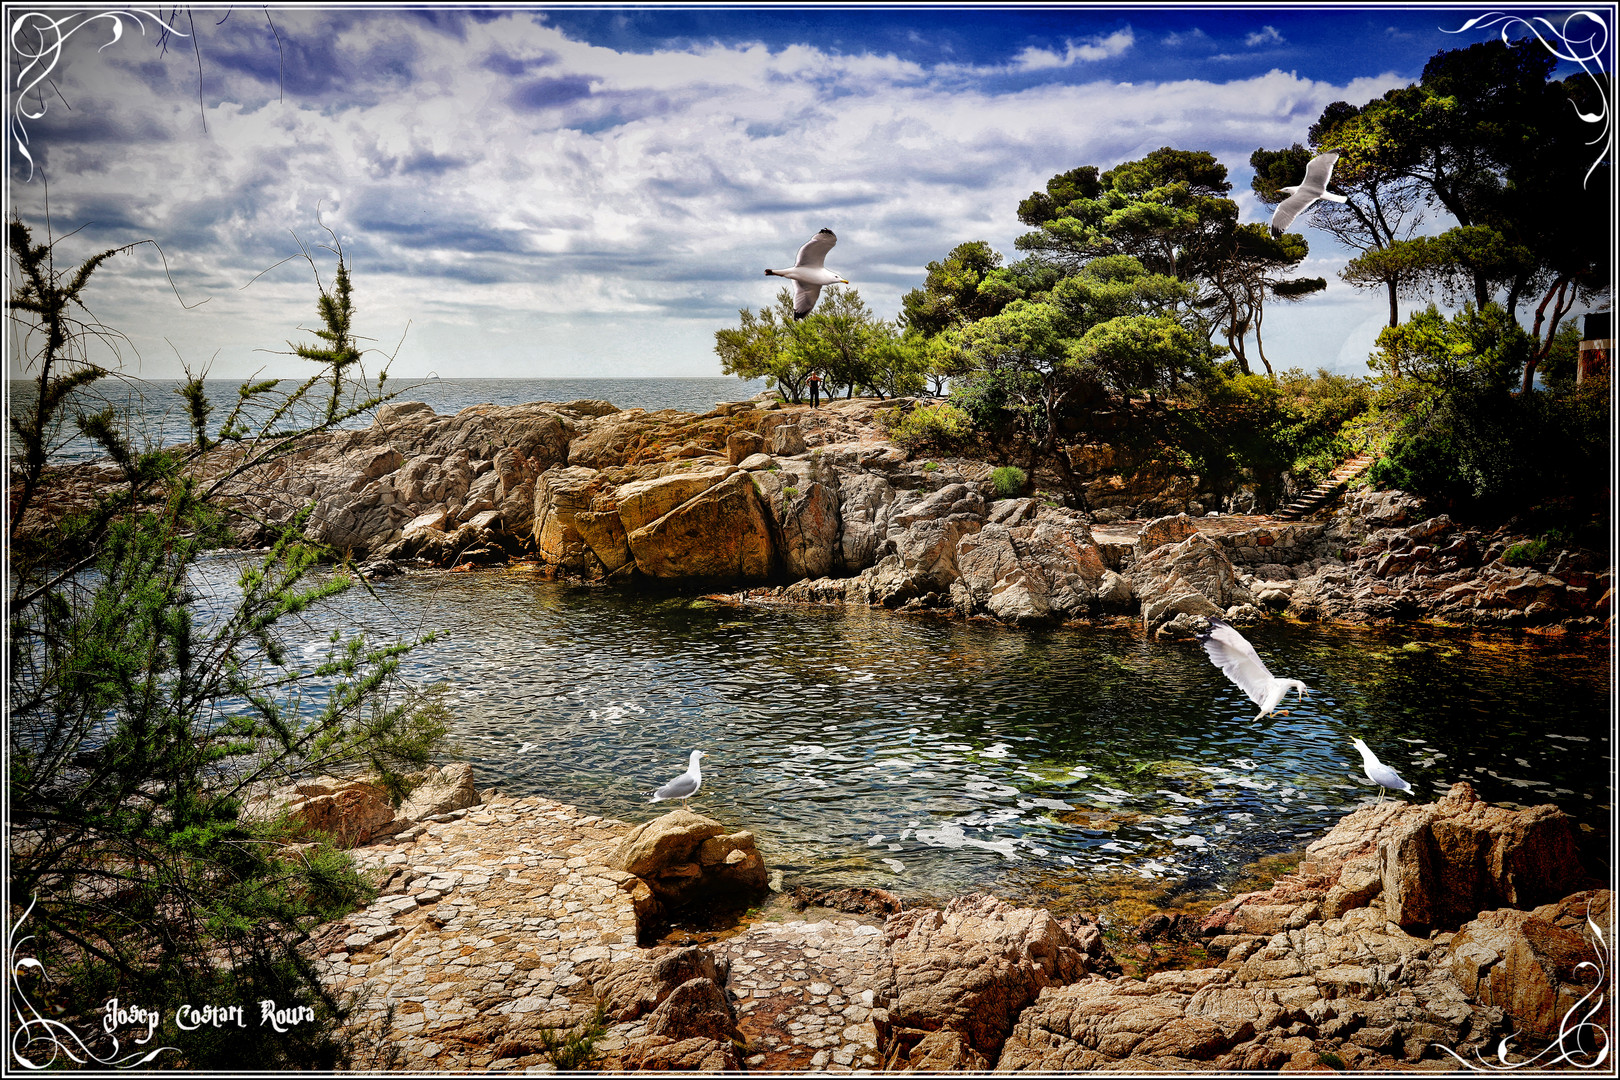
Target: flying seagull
point(1379, 773)
point(808, 274)
point(685, 785)
point(1230, 652)
point(1301, 197)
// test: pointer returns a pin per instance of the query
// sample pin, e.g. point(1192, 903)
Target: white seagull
point(1379, 773)
point(1237, 659)
point(808, 274)
point(1302, 196)
point(685, 785)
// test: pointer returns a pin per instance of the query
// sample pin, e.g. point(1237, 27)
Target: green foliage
point(1463, 436)
point(942, 426)
point(841, 339)
point(573, 1049)
point(145, 711)
point(1248, 429)
point(1009, 480)
point(1531, 552)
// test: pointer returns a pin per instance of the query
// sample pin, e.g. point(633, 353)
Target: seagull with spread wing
point(1233, 654)
point(1302, 196)
point(809, 273)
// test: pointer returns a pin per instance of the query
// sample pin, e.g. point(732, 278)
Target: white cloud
point(1265, 36)
point(1075, 52)
point(536, 205)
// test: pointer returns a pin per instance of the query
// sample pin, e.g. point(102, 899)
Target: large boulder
point(438, 791)
point(1029, 573)
point(1193, 576)
point(560, 496)
point(719, 533)
point(1534, 966)
point(802, 499)
point(973, 967)
point(684, 856)
point(1453, 858)
point(346, 811)
point(1431, 866)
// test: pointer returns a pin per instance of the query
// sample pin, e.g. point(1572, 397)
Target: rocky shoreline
point(506, 925)
point(815, 506)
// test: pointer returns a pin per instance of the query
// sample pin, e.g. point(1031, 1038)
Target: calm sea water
point(157, 416)
point(927, 755)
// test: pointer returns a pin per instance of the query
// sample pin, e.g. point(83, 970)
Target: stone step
point(1323, 492)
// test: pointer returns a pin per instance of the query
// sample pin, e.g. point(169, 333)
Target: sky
point(594, 191)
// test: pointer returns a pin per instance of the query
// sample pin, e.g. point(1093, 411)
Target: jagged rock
point(743, 444)
point(972, 967)
point(683, 855)
point(1030, 573)
point(439, 791)
point(1191, 577)
point(637, 985)
point(787, 441)
point(1453, 858)
point(721, 532)
point(1534, 970)
point(1431, 866)
point(560, 496)
point(348, 811)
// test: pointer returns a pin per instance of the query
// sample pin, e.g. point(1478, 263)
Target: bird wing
point(1289, 209)
point(1319, 172)
point(1236, 658)
point(814, 252)
point(804, 298)
point(680, 787)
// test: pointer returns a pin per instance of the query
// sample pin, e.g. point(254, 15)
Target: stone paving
point(806, 993)
point(473, 943)
point(470, 951)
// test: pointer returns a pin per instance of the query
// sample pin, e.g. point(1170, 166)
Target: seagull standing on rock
point(1379, 773)
point(1303, 196)
point(1236, 658)
point(809, 274)
point(684, 786)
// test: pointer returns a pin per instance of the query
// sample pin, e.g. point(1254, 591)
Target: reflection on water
point(925, 755)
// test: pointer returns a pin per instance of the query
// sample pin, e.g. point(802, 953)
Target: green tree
point(145, 710)
point(768, 346)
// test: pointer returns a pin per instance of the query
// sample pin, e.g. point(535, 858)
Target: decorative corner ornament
point(37, 41)
point(1576, 49)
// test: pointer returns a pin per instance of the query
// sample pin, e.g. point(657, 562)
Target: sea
point(154, 412)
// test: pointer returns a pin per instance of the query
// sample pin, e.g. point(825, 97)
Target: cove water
point(929, 755)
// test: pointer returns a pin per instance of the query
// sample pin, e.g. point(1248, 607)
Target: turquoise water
point(927, 755)
point(157, 415)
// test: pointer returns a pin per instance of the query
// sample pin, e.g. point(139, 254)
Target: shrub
point(1009, 480)
point(941, 426)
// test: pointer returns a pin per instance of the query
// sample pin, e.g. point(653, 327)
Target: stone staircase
point(1323, 493)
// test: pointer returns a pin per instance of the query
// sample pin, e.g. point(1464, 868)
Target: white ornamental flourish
point(37, 41)
point(34, 1033)
point(1578, 43)
point(1571, 1027)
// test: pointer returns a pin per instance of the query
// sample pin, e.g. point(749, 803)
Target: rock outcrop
point(816, 503)
point(501, 926)
point(684, 857)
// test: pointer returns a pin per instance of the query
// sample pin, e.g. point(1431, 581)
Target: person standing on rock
point(813, 384)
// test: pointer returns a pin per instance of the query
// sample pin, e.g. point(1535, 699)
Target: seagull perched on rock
point(1232, 653)
point(1303, 195)
point(808, 274)
point(1379, 773)
point(685, 785)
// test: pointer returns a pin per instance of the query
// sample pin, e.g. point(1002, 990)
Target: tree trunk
point(1394, 307)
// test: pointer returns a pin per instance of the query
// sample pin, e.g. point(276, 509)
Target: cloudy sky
point(567, 192)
